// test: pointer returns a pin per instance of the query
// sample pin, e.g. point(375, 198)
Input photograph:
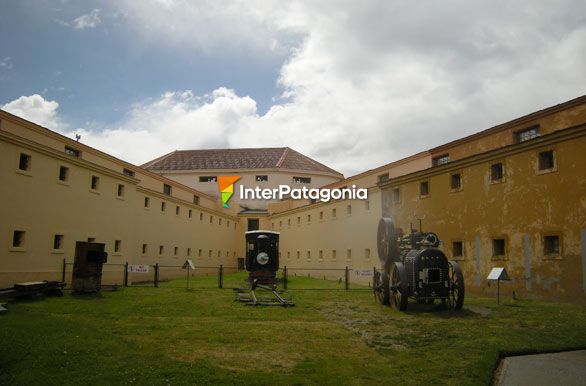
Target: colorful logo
point(226, 185)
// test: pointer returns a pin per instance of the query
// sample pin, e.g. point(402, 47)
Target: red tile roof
point(251, 158)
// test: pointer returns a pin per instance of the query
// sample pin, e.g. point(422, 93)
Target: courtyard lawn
point(170, 335)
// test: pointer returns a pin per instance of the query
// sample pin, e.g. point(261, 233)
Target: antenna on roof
point(77, 137)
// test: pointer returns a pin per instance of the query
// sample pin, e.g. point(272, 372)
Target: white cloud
point(365, 83)
point(36, 109)
point(6, 63)
point(89, 20)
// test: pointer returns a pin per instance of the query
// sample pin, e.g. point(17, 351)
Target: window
point(128, 172)
point(144, 249)
point(188, 251)
point(219, 254)
point(396, 195)
point(298, 220)
point(208, 179)
point(196, 199)
point(498, 247)
point(163, 206)
point(288, 222)
point(321, 254)
point(348, 254)
point(298, 254)
point(177, 210)
point(58, 242)
point(383, 178)
point(308, 255)
point(366, 253)
point(95, 184)
point(546, 160)
point(272, 225)
point(333, 254)
point(424, 188)
point(190, 213)
point(175, 251)
point(161, 249)
point(147, 202)
point(201, 217)
point(227, 223)
point(496, 172)
point(117, 246)
point(120, 190)
point(302, 180)
point(348, 209)
point(167, 189)
point(308, 218)
point(440, 160)
point(367, 205)
point(334, 213)
point(63, 173)
point(18, 239)
point(211, 219)
point(526, 134)
point(210, 253)
point(321, 215)
point(262, 178)
point(457, 248)
point(280, 224)
point(219, 221)
point(199, 252)
point(551, 245)
point(456, 181)
point(24, 162)
point(72, 152)
point(91, 239)
point(288, 255)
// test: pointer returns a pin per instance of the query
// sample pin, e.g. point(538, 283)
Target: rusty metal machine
point(87, 267)
point(414, 267)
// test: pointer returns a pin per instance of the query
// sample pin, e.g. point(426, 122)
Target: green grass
point(170, 335)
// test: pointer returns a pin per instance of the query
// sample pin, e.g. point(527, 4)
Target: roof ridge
point(311, 160)
point(283, 156)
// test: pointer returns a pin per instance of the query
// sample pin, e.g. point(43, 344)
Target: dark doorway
point(241, 263)
point(253, 224)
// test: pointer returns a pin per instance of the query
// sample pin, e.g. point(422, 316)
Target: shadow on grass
point(439, 310)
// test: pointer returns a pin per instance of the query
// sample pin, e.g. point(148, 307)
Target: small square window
point(366, 253)
point(546, 160)
point(348, 254)
point(441, 160)
point(211, 219)
point(551, 245)
point(348, 209)
point(456, 181)
point(190, 213)
point(18, 238)
point(161, 249)
point(128, 172)
point(262, 178)
point(498, 247)
point(201, 217)
point(210, 253)
point(63, 173)
point(24, 162)
point(334, 213)
point(167, 189)
point(72, 152)
point(188, 251)
point(396, 195)
point(175, 251)
point(163, 206)
point(196, 200)
point(334, 254)
point(302, 180)
point(308, 255)
point(457, 249)
point(298, 220)
point(527, 134)
point(321, 215)
point(308, 218)
point(208, 179)
point(321, 254)
point(383, 178)
point(147, 202)
point(95, 184)
point(91, 239)
point(117, 246)
point(424, 188)
point(120, 190)
point(58, 242)
point(144, 249)
point(177, 210)
point(496, 172)
point(199, 252)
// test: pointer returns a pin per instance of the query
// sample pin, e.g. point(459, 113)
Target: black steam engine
point(262, 256)
point(414, 267)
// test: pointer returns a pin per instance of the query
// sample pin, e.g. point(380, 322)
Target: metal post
point(498, 291)
point(347, 277)
point(64, 269)
point(373, 276)
point(285, 277)
point(188, 268)
point(157, 275)
point(126, 274)
point(220, 276)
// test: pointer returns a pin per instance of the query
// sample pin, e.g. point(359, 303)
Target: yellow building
point(512, 196)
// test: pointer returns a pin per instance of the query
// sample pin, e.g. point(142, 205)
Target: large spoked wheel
point(386, 242)
point(456, 286)
point(381, 288)
point(399, 287)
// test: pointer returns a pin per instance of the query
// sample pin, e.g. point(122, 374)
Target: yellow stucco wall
point(526, 206)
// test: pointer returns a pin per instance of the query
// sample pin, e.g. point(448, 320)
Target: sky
point(352, 84)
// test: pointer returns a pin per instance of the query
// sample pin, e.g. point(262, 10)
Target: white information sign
point(498, 273)
point(138, 268)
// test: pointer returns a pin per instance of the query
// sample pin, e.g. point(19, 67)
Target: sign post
point(497, 274)
point(188, 265)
